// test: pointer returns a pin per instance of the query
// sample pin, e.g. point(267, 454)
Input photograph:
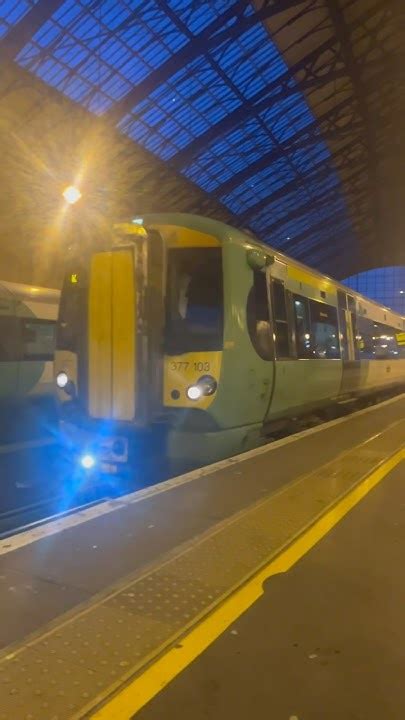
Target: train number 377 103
point(183, 366)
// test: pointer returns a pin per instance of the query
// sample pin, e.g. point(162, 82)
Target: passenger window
point(324, 331)
point(400, 338)
point(38, 339)
point(365, 333)
point(258, 318)
point(377, 341)
point(384, 341)
point(302, 327)
point(281, 330)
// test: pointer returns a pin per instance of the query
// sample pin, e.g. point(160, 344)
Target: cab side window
point(258, 317)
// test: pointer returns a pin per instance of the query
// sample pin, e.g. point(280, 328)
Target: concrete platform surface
point(326, 641)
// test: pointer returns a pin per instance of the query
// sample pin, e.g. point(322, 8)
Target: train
point(184, 338)
point(28, 316)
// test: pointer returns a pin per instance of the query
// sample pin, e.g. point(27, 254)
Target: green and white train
point(28, 317)
point(190, 339)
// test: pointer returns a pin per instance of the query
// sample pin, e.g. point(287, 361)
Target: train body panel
point(229, 337)
point(300, 389)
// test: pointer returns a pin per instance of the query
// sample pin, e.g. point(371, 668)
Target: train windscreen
point(72, 310)
point(194, 300)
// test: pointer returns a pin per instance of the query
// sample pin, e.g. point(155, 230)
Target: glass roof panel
point(97, 53)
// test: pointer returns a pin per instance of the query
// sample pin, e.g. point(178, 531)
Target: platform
point(104, 608)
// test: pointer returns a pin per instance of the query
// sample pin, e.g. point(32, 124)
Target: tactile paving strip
point(66, 671)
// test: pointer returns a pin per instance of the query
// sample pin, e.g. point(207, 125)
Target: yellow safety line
point(141, 690)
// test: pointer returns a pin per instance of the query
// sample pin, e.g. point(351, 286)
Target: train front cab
point(140, 341)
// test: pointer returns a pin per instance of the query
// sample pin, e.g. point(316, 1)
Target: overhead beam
point(319, 170)
point(344, 35)
point(19, 35)
point(281, 89)
point(264, 99)
point(295, 142)
point(212, 36)
point(312, 203)
point(331, 245)
point(295, 244)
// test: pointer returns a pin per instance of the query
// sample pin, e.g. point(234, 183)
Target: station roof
point(280, 116)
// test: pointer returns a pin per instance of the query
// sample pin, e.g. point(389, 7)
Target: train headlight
point(194, 392)
point(62, 380)
point(87, 461)
point(206, 385)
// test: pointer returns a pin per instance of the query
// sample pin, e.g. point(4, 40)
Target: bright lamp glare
point(87, 462)
point(72, 194)
point(62, 380)
point(194, 392)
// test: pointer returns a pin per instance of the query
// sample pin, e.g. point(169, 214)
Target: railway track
point(35, 511)
point(36, 514)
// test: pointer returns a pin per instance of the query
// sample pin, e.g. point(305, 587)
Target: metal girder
point(295, 142)
point(319, 170)
point(281, 87)
point(337, 217)
point(344, 37)
point(293, 246)
point(332, 245)
point(305, 249)
point(217, 68)
point(19, 35)
point(312, 203)
point(219, 71)
point(212, 36)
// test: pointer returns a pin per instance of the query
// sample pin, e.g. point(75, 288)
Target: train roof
point(29, 292)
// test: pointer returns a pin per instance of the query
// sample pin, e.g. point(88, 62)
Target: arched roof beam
point(296, 246)
point(295, 142)
point(316, 75)
point(21, 33)
point(210, 37)
point(319, 170)
point(316, 202)
point(280, 89)
point(344, 34)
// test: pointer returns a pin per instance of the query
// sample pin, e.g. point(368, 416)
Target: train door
point(281, 323)
point(305, 333)
point(125, 317)
point(351, 369)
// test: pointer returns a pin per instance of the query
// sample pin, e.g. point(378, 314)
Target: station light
point(71, 194)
